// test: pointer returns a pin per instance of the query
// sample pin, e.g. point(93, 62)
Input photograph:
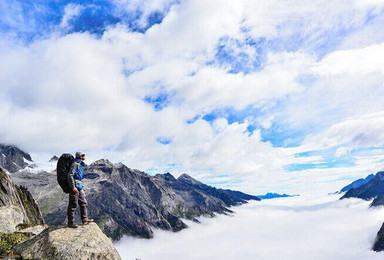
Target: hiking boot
point(72, 225)
point(87, 221)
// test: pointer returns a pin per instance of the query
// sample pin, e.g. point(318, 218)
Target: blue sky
point(32, 20)
point(248, 94)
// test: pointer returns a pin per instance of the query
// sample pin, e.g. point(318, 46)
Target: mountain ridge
point(357, 183)
point(128, 201)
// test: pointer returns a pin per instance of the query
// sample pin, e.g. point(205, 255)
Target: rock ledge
point(84, 242)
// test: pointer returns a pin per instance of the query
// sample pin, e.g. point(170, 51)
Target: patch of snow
point(38, 167)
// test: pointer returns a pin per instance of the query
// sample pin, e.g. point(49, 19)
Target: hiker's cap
point(79, 154)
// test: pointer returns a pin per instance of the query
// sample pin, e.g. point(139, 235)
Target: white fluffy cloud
point(365, 131)
point(79, 91)
point(289, 228)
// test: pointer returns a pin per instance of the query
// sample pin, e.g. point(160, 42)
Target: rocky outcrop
point(10, 217)
point(128, 201)
point(379, 241)
point(34, 230)
point(12, 158)
point(17, 205)
point(85, 242)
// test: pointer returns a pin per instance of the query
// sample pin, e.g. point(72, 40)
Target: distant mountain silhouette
point(357, 183)
point(271, 195)
point(373, 189)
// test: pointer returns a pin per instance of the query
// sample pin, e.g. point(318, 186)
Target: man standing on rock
point(76, 193)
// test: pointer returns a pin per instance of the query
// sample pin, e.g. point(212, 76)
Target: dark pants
point(75, 198)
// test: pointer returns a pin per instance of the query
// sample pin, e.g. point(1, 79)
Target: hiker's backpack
point(63, 167)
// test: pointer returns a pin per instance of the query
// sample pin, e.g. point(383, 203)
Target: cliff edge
point(17, 206)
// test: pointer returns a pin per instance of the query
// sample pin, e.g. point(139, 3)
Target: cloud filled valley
point(309, 227)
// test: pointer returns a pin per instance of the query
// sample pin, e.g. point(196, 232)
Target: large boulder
point(84, 242)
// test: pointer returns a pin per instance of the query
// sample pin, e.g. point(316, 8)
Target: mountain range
point(373, 189)
point(368, 190)
point(128, 201)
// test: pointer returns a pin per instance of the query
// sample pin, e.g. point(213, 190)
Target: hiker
point(76, 192)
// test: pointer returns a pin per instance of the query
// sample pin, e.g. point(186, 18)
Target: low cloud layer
point(288, 228)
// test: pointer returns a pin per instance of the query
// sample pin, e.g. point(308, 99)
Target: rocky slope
point(127, 201)
point(17, 206)
point(85, 242)
point(20, 217)
point(379, 241)
point(373, 189)
point(12, 158)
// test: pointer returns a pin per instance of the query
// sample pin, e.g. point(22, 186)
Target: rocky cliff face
point(127, 201)
point(12, 158)
point(379, 241)
point(86, 242)
point(17, 205)
point(373, 189)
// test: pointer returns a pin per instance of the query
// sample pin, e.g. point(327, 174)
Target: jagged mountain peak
point(166, 176)
point(188, 178)
point(380, 176)
point(373, 189)
point(54, 159)
point(102, 162)
point(12, 158)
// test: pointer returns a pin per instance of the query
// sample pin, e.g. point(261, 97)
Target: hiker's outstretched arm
point(71, 173)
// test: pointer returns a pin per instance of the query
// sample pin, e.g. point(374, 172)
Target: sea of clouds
point(308, 227)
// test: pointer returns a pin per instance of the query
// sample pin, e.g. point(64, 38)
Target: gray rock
point(85, 242)
point(35, 230)
point(17, 204)
point(10, 217)
point(378, 246)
